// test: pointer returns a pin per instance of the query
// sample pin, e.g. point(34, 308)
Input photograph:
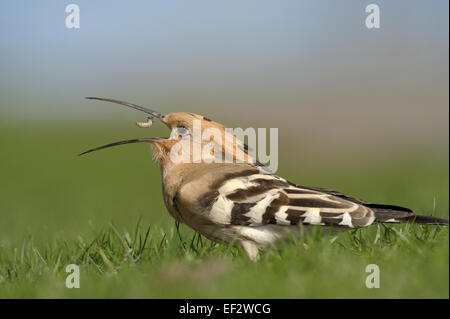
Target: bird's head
point(182, 126)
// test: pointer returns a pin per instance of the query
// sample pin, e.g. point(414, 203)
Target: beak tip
point(134, 106)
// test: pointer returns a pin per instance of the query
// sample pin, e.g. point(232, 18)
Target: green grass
point(105, 213)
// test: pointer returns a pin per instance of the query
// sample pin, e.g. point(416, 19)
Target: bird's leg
point(145, 124)
point(251, 248)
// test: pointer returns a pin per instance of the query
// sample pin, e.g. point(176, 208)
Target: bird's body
point(240, 203)
point(246, 204)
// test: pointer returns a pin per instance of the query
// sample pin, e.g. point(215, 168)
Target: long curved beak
point(136, 140)
point(134, 106)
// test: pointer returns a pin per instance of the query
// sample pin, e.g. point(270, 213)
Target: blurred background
point(364, 111)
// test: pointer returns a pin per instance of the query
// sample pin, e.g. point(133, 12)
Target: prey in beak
point(146, 124)
point(182, 125)
point(134, 106)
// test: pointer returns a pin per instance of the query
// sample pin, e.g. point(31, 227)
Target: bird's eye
point(179, 131)
point(182, 130)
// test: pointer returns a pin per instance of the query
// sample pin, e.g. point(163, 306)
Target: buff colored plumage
point(242, 202)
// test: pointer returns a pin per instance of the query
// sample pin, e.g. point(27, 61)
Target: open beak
point(137, 140)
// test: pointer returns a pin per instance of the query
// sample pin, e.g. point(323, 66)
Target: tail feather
point(388, 213)
point(397, 214)
point(424, 220)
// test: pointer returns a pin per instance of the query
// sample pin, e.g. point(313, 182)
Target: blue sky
point(308, 58)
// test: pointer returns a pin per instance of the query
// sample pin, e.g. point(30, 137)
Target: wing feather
point(260, 199)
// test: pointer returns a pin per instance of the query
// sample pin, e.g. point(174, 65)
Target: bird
point(242, 202)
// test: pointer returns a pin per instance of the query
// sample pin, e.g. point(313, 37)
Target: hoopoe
point(243, 202)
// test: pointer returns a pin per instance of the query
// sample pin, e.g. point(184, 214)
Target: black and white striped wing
point(260, 199)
